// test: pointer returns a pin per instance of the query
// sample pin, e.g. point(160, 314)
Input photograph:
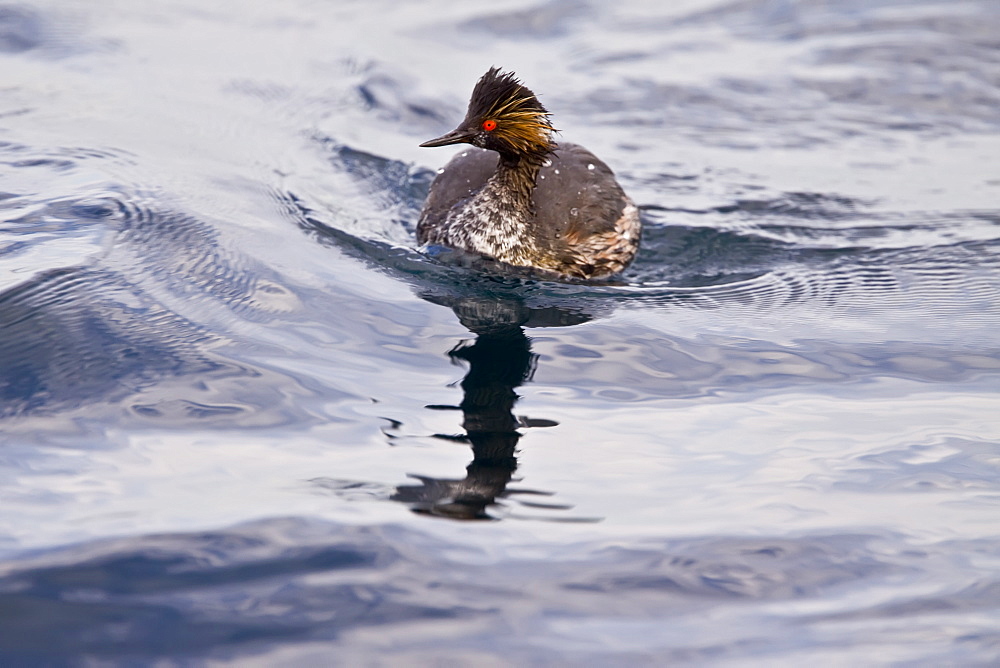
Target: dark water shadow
point(499, 360)
point(237, 592)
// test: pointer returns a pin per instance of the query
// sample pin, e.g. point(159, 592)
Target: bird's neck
point(514, 180)
point(504, 209)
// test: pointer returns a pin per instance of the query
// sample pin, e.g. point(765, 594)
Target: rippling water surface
point(244, 419)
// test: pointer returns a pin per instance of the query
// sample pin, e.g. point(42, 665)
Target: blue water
point(244, 420)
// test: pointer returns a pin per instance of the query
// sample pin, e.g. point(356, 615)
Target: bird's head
point(503, 116)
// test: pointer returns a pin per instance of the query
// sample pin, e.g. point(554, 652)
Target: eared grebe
point(525, 200)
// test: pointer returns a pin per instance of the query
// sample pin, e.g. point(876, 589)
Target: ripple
point(74, 335)
point(545, 21)
point(20, 29)
point(311, 581)
point(799, 248)
point(139, 320)
point(948, 464)
point(698, 267)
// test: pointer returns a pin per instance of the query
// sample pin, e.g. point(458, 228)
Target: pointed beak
point(459, 136)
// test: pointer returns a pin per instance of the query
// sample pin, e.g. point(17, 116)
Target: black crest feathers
point(497, 92)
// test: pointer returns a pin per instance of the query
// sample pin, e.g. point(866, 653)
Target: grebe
point(525, 200)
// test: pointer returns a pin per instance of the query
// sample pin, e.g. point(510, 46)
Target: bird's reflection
point(499, 360)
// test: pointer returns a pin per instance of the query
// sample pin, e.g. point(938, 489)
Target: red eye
point(490, 125)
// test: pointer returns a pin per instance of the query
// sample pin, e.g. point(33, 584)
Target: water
point(245, 421)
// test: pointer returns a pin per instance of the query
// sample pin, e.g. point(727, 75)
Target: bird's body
point(525, 200)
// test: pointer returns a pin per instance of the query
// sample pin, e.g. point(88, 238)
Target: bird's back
point(584, 224)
